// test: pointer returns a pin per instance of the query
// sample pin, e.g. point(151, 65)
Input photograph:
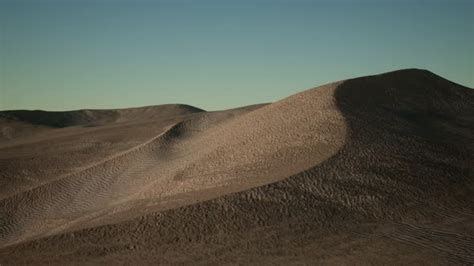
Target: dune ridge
point(149, 170)
point(373, 169)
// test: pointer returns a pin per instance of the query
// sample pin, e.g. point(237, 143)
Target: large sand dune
point(370, 170)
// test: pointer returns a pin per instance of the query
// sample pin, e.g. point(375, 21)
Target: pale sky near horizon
point(71, 54)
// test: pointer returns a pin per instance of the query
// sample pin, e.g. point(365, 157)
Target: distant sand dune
point(371, 170)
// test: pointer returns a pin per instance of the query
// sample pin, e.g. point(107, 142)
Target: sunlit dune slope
point(377, 169)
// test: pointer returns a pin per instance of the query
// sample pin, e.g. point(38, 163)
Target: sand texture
point(372, 170)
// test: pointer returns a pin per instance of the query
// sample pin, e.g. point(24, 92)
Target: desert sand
point(371, 170)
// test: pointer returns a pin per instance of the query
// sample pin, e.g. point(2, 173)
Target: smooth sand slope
point(371, 170)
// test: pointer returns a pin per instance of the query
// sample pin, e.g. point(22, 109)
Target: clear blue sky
point(59, 55)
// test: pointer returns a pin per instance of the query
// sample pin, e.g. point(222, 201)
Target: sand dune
point(371, 170)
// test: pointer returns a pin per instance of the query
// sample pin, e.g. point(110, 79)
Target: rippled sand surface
point(371, 170)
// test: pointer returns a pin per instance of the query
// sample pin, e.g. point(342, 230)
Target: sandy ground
point(373, 170)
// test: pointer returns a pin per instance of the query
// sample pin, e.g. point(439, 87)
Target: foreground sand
point(373, 170)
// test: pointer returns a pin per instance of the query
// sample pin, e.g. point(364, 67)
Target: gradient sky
point(62, 55)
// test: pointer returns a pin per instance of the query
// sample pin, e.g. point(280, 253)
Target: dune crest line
point(371, 170)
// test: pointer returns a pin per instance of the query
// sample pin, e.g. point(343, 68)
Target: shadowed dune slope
point(370, 170)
